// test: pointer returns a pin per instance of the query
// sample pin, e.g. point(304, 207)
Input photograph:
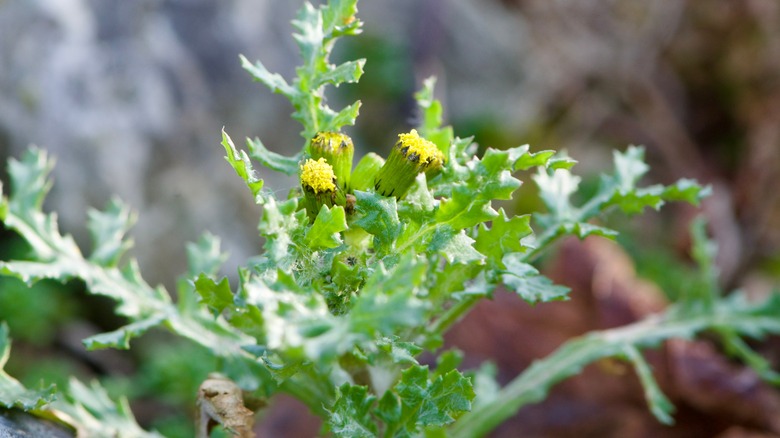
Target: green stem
point(451, 316)
point(543, 242)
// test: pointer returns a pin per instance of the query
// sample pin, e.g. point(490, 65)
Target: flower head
point(320, 187)
point(410, 156)
point(317, 176)
point(338, 150)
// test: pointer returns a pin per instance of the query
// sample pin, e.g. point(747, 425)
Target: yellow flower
point(319, 186)
point(317, 176)
point(410, 156)
point(338, 150)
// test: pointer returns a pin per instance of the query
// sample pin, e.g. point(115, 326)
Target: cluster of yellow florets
point(318, 175)
point(331, 141)
point(325, 177)
point(416, 148)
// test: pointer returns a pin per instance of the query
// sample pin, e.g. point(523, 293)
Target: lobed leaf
point(272, 160)
point(503, 236)
point(12, 393)
point(274, 81)
point(527, 282)
point(108, 229)
point(430, 126)
point(93, 413)
point(324, 232)
point(239, 160)
point(378, 216)
point(351, 416)
point(205, 256)
point(217, 296)
point(424, 402)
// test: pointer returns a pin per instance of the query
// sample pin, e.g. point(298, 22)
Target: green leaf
point(324, 232)
point(350, 416)
point(338, 18)
point(503, 236)
point(279, 225)
point(272, 160)
point(459, 249)
point(555, 190)
point(528, 283)
point(399, 352)
point(120, 338)
point(473, 286)
point(473, 192)
point(389, 411)
point(298, 325)
point(317, 31)
point(274, 81)
point(620, 189)
point(378, 215)
point(12, 393)
point(660, 406)
point(108, 231)
point(217, 296)
point(388, 300)
point(464, 209)
point(22, 211)
point(348, 72)
point(345, 117)
point(533, 159)
point(617, 190)
point(432, 403)
point(431, 124)
point(241, 164)
point(737, 347)
point(30, 181)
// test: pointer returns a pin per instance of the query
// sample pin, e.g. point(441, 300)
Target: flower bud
point(338, 150)
point(318, 182)
point(365, 171)
point(410, 156)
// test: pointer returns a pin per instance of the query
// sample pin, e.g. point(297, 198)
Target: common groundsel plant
point(364, 267)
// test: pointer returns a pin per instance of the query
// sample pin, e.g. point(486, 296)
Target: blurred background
point(130, 98)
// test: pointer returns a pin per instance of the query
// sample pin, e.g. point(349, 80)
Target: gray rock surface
point(17, 424)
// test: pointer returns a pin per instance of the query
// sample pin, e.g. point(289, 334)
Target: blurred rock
point(18, 424)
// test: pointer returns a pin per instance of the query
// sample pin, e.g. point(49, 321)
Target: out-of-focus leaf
point(431, 124)
point(350, 416)
point(12, 393)
point(239, 160)
point(659, 404)
point(93, 413)
point(205, 256)
point(528, 283)
point(108, 229)
point(120, 338)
